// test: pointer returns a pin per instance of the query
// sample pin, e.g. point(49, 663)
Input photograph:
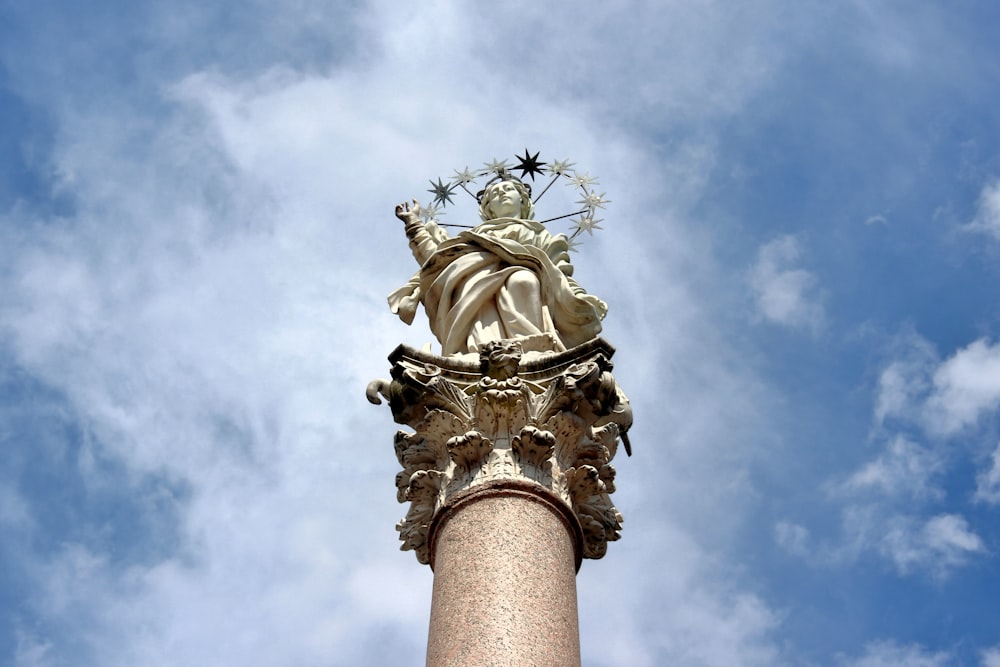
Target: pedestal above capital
point(550, 422)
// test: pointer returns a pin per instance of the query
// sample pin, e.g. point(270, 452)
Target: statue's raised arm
point(424, 237)
point(507, 277)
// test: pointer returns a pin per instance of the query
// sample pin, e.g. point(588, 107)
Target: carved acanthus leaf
point(501, 412)
point(557, 397)
point(532, 449)
point(423, 492)
point(607, 437)
point(584, 482)
point(533, 446)
point(599, 518)
point(607, 474)
point(468, 450)
point(414, 451)
point(568, 430)
point(452, 398)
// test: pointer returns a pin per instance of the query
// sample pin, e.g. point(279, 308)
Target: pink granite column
point(505, 558)
point(508, 477)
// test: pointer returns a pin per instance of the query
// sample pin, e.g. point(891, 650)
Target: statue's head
point(506, 198)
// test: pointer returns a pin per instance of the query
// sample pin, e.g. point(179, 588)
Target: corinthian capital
point(551, 423)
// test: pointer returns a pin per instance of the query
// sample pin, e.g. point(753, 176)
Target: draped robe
point(473, 286)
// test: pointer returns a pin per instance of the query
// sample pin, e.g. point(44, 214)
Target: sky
point(196, 244)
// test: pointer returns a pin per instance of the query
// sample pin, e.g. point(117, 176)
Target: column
point(504, 561)
point(508, 474)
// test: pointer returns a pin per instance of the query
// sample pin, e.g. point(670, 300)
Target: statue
point(506, 278)
point(521, 402)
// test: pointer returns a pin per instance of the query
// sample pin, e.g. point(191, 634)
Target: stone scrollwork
point(553, 421)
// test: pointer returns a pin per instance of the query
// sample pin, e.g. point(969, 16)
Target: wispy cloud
point(990, 657)
point(987, 218)
point(938, 545)
point(965, 387)
point(988, 480)
point(892, 654)
point(783, 293)
point(894, 504)
point(941, 397)
point(905, 381)
point(904, 469)
point(793, 538)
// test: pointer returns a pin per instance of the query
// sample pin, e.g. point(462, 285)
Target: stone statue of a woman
point(507, 278)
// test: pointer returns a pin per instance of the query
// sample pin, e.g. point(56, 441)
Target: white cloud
point(892, 654)
point(903, 469)
point(895, 505)
point(988, 481)
point(784, 294)
point(990, 657)
point(941, 398)
point(792, 537)
point(937, 545)
point(699, 620)
point(987, 219)
point(966, 387)
point(31, 652)
point(950, 534)
point(904, 383)
point(215, 304)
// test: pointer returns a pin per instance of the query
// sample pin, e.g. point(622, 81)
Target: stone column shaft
point(504, 583)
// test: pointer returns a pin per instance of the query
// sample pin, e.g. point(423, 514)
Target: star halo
point(529, 165)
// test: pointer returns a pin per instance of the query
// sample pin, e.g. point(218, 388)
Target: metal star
point(592, 200)
point(442, 192)
point(495, 166)
point(430, 212)
point(560, 167)
point(463, 177)
point(586, 224)
point(583, 180)
point(529, 165)
point(573, 245)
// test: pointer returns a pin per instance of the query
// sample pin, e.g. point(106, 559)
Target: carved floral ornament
point(552, 422)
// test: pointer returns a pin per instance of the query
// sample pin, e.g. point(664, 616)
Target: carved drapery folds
point(553, 421)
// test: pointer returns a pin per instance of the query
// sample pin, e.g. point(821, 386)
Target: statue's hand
point(407, 214)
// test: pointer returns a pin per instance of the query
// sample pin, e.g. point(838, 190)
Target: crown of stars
point(530, 165)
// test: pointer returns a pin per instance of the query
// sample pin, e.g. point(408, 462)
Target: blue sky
point(196, 243)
